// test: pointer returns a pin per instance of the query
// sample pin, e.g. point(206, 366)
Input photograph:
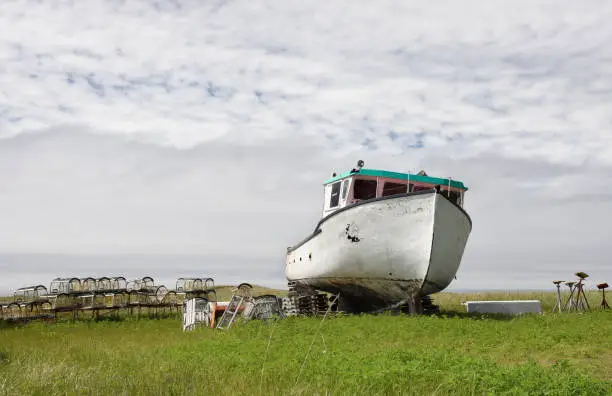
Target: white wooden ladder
point(229, 315)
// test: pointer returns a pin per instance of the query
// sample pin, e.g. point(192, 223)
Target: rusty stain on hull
point(354, 230)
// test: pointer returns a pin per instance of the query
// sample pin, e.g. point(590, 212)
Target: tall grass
point(565, 354)
point(452, 301)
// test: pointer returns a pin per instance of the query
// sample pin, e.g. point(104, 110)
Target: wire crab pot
point(194, 284)
point(133, 285)
point(266, 307)
point(103, 284)
point(211, 295)
point(65, 285)
point(29, 294)
point(158, 294)
point(144, 284)
point(189, 284)
point(64, 301)
point(120, 300)
point(148, 283)
point(98, 300)
point(171, 299)
point(84, 301)
point(135, 297)
point(209, 283)
point(88, 285)
point(118, 283)
point(244, 290)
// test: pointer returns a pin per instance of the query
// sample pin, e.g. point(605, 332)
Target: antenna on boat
point(408, 185)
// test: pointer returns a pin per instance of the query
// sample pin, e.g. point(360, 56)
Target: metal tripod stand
point(558, 306)
point(604, 303)
point(580, 302)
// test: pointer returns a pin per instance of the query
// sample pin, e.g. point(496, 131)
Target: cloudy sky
point(175, 138)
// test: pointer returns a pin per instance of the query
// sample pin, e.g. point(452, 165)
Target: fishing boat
point(384, 238)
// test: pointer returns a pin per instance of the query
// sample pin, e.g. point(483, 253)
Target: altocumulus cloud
point(179, 137)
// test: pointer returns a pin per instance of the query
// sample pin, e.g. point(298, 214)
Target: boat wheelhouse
point(358, 185)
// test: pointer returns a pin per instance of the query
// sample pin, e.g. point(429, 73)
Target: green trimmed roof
point(401, 176)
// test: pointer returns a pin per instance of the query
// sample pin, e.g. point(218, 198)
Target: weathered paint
point(451, 231)
point(390, 249)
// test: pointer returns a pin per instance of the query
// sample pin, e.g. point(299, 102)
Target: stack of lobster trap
point(243, 306)
point(103, 295)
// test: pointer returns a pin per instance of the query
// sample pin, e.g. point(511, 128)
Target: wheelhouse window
point(394, 188)
point(421, 188)
point(364, 189)
point(335, 195)
point(345, 185)
point(454, 197)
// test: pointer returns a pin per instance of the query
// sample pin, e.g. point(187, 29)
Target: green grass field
point(452, 353)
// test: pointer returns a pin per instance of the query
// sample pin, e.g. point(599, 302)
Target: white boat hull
point(387, 250)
